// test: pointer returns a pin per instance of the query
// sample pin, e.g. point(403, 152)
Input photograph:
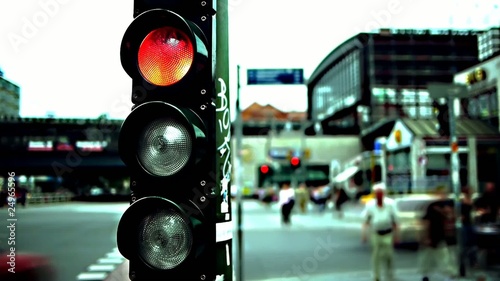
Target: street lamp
point(452, 92)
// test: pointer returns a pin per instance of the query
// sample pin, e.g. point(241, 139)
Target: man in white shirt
point(286, 201)
point(380, 218)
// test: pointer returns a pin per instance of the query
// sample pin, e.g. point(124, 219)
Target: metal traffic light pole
point(239, 183)
point(451, 92)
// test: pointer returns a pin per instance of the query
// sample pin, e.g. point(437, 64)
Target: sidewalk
point(400, 275)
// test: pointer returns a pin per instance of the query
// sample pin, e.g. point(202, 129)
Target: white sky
point(64, 54)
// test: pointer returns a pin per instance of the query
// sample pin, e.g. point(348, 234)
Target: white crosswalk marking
point(103, 267)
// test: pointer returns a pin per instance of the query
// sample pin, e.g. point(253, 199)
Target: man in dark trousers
point(286, 201)
point(439, 237)
point(488, 204)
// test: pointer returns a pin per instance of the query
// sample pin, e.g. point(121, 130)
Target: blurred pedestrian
point(488, 204)
point(467, 241)
point(320, 197)
point(22, 194)
point(340, 198)
point(439, 242)
point(302, 195)
point(488, 211)
point(3, 197)
point(286, 201)
point(381, 218)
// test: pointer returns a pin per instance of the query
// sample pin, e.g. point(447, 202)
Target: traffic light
point(265, 174)
point(295, 162)
point(173, 144)
point(443, 119)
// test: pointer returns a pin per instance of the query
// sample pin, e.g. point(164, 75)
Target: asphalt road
point(81, 240)
point(74, 235)
point(315, 244)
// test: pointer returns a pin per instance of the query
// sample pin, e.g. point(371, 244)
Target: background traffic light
point(265, 174)
point(442, 118)
point(174, 143)
point(295, 162)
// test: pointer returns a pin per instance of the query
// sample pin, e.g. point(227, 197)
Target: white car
point(410, 210)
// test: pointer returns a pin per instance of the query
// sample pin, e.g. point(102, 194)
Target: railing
point(48, 198)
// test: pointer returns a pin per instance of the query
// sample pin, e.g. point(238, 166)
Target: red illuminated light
point(165, 56)
point(295, 161)
point(264, 169)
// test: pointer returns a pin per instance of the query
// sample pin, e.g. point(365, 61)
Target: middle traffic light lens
point(165, 56)
point(165, 147)
point(165, 239)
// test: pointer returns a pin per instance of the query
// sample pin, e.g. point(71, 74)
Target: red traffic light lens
point(165, 56)
point(295, 161)
point(264, 169)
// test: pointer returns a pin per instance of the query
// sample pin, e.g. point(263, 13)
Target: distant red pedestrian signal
point(264, 169)
point(295, 162)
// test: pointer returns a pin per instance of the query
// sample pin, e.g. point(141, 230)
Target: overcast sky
point(64, 54)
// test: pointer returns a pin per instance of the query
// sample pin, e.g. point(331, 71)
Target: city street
point(315, 246)
point(80, 238)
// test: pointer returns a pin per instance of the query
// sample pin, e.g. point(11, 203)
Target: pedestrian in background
point(488, 204)
point(438, 248)
point(302, 195)
point(381, 218)
point(286, 197)
point(340, 198)
point(468, 241)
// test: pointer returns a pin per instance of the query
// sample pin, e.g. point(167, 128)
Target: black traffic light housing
point(265, 173)
point(443, 119)
point(176, 225)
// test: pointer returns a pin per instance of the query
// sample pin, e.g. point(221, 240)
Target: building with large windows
point(483, 81)
point(377, 85)
point(375, 77)
point(9, 98)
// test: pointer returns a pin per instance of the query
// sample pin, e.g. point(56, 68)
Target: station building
point(377, 84)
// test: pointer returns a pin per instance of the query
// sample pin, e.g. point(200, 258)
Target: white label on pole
point(224, 231)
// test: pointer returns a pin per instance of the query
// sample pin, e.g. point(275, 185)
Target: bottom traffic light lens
point(165, 239)
point(165, 147)
point(161, 235)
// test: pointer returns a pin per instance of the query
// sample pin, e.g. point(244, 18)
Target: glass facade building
point(378, 76)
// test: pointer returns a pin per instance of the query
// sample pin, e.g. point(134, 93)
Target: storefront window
point(484, 108)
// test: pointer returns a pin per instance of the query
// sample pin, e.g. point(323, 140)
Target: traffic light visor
point(165, 56)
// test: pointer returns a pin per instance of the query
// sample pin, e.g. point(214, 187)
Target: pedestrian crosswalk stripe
point(102, 267)
point(92, 276)
point(110, 260)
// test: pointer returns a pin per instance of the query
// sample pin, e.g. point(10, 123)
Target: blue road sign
point(275, 76)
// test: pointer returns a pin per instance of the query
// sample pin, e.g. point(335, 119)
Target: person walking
point(286, 197)
point(468, 241)
point(488, 204)
point(340, 198)
point(439, 238)
point(302, 195)
point(381, 218)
